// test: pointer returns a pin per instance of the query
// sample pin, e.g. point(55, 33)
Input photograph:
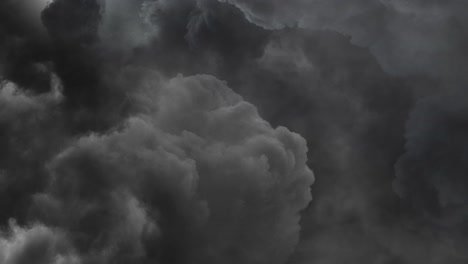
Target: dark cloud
point(72, 26)
point(431, 173)
point(23, 46)
point(315, 87)
point(169, 187)
point(31, 131)
point(107, 157)
point(38, 244)
point(414, 37)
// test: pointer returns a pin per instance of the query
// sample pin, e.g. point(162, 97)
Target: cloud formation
point(109, 155)
point(417, 37)
point(197, 175)
point(37, 244)
point(430, 174)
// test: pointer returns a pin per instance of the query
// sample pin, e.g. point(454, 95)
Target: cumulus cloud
point(31, 131)
point(36, 244)
point(105, 149)
point(198, 177)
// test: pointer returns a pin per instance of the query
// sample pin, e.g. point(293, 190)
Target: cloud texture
point(159, 131)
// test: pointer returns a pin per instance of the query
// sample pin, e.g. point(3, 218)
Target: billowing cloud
point(417, 37)
point(198, 177)
point(31, 132)
point(105, 149)
point(37, 244)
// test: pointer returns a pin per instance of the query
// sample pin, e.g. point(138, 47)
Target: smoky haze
point(233, 131)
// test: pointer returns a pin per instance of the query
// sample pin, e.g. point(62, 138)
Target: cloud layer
point(155, 131)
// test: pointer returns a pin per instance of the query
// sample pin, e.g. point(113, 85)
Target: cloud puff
point(197, 177)
point(31, 131)
point(36, 244)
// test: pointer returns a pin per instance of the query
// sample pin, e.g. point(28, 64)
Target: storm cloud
point(186, 131)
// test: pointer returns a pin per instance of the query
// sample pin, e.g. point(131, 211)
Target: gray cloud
point(407, 38)
point(37, 244)
point(430, 175)
point(131, 164)
point(198, 176)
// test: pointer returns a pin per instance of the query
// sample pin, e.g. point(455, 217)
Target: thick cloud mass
point(109, 155)
point(37, 244)
point(196, 176)
point(432, 172)
point(407, 37)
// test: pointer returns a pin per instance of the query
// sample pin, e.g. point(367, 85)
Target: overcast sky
point(233, 131)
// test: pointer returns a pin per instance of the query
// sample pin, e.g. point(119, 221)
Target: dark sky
point(233, 132)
